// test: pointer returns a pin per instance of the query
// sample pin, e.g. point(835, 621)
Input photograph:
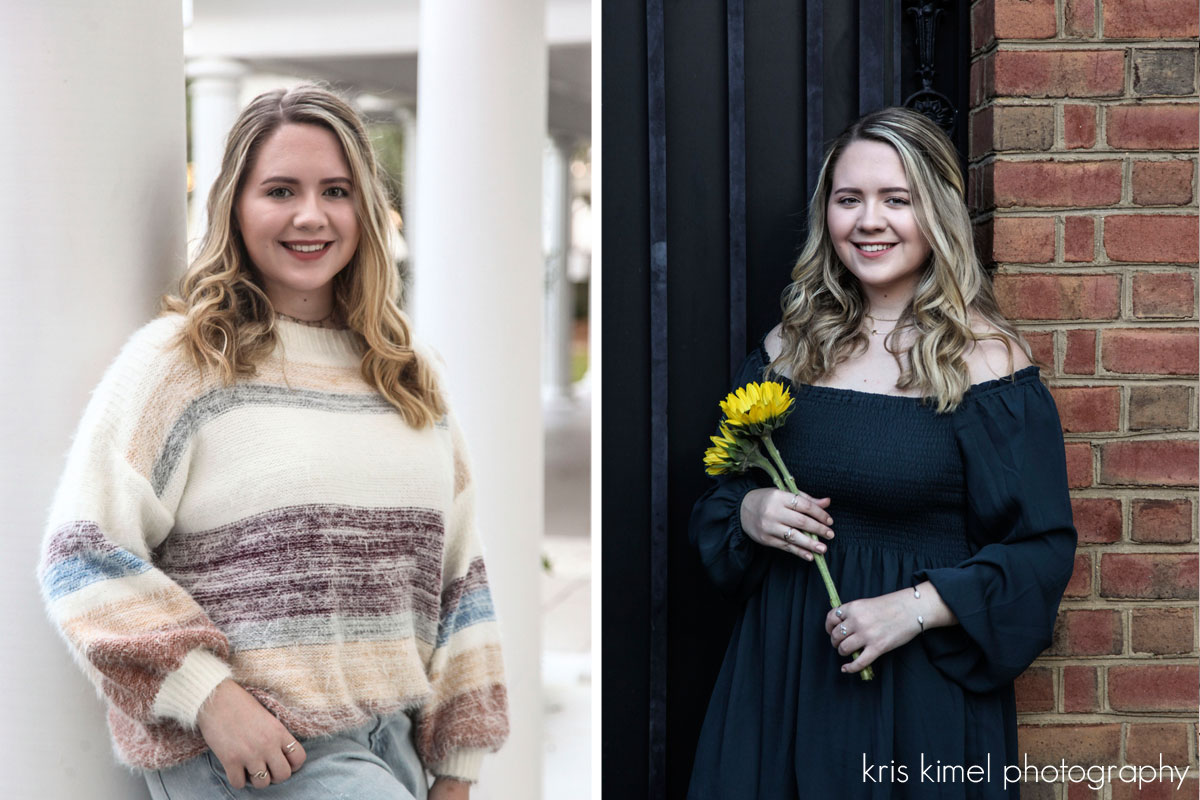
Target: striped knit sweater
point(290, 531)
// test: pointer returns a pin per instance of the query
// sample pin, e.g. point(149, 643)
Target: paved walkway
point(566, 599)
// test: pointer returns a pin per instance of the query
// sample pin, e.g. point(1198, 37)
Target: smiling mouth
point(306, 248)
point(879, 247)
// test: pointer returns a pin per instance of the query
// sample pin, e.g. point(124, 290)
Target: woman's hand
point(247, 739)
point(449, 789)
point(876, 625)
point(780, 519)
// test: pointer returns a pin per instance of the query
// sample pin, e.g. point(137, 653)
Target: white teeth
point(304, 248)
point(873, 248)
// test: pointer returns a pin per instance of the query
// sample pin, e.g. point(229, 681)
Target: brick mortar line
point(1079, 716)
point(1085, 381)
point(1102, 603)
point(1101, 157)
point(1099, 493)
point(1134, 548)
point(1101, 437)
point(1084, 269)
point(1105, 101)
point(1096, 661)
point(1085, 156)
point(1112, 437)
point(1028, 212)
point(1073, 45)
point(1113, 325)
point(1096, 717)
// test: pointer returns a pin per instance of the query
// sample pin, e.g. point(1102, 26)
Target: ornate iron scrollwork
point(928, 100)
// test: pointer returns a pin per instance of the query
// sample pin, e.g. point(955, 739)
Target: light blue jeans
point(375, 762)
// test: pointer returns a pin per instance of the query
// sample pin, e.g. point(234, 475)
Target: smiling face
point(296, 214)
point(872, 224)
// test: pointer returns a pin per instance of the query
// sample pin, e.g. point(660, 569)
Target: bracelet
point(920, 618)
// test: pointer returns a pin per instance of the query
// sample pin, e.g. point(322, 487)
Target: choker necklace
point(325, 321)
point(878, 319)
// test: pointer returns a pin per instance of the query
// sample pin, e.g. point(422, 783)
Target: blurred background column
point(214, 87)
point(478, 271)
point(92, 194)
point(556, 235)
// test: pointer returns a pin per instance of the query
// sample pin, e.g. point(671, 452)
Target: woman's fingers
point(806, 509)
point(797, 542)
point(864, 660)
point(236, 775)
point(807, 523)
point(792, 545)
point(294, 752)
point(278, 767)
point(260, 776)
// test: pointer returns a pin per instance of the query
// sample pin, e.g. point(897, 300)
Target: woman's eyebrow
point(286, 179)
point(884, 190)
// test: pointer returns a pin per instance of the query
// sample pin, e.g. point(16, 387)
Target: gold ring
point(261, 775)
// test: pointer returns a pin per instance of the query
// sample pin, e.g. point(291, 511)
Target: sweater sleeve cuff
point(184, 691)
point(461, 765)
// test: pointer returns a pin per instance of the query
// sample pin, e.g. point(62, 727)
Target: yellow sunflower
point(730, 453)
point(757, 408)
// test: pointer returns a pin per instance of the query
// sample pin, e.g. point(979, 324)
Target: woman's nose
point(309, 213)
point(870, 217)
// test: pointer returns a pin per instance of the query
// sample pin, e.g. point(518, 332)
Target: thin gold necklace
point(324, 322)
point(879, 319)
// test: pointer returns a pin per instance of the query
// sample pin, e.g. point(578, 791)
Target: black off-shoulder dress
point(974, 501)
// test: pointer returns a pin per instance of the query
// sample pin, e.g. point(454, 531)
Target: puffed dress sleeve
point(734, 561)
point(1006, 594)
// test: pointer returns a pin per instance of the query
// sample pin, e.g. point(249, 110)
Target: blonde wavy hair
point(824, 307)
point(229, 321)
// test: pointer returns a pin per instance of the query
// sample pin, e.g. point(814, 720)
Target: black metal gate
point(715, 117)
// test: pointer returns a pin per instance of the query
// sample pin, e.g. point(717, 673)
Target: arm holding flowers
point(752, 412)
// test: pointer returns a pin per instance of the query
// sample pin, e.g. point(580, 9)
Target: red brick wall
point(1083, 135)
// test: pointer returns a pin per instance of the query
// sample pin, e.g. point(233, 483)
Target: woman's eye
point(338, 191)
point(278, 192)
point(898, 201)
point(846, 201)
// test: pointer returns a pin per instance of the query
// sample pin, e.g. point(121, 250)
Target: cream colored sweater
point(290, 531)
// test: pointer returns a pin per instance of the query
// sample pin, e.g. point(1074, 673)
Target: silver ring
point(837, 612)
point(792, 503)
point(289, 748)
point(787, 536)
point(261, 775)
point(842, 630)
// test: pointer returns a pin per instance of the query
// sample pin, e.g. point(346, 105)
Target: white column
point(214, 86)
point(556, 241)
point(92, 193)
point(408, 192)
point(478, 299)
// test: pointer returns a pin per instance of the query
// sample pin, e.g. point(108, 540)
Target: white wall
point(92, 192)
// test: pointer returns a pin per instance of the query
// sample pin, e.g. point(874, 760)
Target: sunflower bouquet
point(751, 414)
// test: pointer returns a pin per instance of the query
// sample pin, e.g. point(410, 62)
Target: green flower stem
point(756, 458)
point(788, 484)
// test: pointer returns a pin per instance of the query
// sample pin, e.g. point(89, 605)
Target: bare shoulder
point(988, 359)
point(774, 342)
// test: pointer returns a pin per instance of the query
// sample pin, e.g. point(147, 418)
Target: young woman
point(934, 478)
point(263, 548)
